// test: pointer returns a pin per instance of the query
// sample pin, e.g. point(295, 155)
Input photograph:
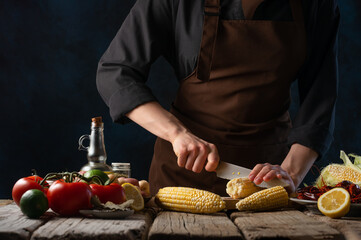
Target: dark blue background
point(49, 52)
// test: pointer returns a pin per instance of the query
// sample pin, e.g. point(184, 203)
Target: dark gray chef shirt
point(173, 29)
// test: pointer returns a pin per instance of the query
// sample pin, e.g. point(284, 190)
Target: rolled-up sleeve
point(314, 123)
point(123, 69)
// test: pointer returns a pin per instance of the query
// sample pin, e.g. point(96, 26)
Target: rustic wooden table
point(155, 224)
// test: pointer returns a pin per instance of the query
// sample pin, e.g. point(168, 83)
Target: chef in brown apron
point(234, 106)
point(238, 96)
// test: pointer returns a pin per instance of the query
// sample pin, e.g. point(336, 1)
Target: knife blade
point(229, 171)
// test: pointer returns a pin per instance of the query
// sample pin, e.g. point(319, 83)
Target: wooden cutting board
point(230, 202)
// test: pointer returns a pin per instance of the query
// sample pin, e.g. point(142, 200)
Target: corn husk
point(336, 173)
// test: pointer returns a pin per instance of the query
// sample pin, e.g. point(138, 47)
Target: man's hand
point(293, 169)
point(266, 172)
point(194, 153)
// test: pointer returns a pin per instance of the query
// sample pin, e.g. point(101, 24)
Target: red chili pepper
point(112, 192)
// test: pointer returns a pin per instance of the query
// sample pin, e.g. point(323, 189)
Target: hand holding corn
point(266, 172)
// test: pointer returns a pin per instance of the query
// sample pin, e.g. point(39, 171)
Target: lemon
point(133, 192)
point(334, 203)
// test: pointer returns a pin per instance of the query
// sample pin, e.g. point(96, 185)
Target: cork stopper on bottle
point(97, 121)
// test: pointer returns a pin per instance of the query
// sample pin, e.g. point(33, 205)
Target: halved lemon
point(334, 203)
point(133, 192)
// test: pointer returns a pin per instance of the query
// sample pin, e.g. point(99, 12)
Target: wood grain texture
point(175, 225)
point(135, 226)
point(14, 225)
point(289, 224)
point(4, 202)
point(350, 227)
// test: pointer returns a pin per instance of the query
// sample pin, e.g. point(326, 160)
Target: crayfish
point(314, 192)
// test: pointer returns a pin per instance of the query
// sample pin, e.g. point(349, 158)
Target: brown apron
point(238, 96)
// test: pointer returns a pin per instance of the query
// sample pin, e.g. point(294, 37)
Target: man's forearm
point(193, 153)
point(298, 162)
point(154, 118)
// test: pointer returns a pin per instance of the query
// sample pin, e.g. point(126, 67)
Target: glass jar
point(123, 169)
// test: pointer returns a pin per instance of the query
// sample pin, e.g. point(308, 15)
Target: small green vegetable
point(34, 203)
point(96, 172)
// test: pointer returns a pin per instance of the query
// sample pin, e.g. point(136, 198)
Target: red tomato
point(27, 183)
point(112, 192)
point(68, 198)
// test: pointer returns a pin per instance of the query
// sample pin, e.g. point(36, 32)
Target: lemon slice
point(132, 192)
point(334, 203)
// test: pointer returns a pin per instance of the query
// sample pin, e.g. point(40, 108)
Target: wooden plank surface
point(350, 227)
point(4, 202)
point(175, 225)
point(172, 225)
point(14, 225)
point(290, 224)
point(135, 226)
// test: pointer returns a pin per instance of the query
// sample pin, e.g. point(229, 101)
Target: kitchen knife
point(230, 171)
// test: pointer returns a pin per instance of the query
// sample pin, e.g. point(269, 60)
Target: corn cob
point(335, 173)
point(271, 198)
point(192, 200)
point(241, 188)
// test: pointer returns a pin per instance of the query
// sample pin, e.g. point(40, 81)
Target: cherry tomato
point(112, 192)
point(27, 183)
point(68, 198)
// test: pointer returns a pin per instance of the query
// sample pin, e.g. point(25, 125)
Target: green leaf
point(348, 162)
point(357, 159)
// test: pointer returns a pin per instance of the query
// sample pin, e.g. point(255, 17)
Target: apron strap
point(297, 11)
point(249, 8)
point(209, 35)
